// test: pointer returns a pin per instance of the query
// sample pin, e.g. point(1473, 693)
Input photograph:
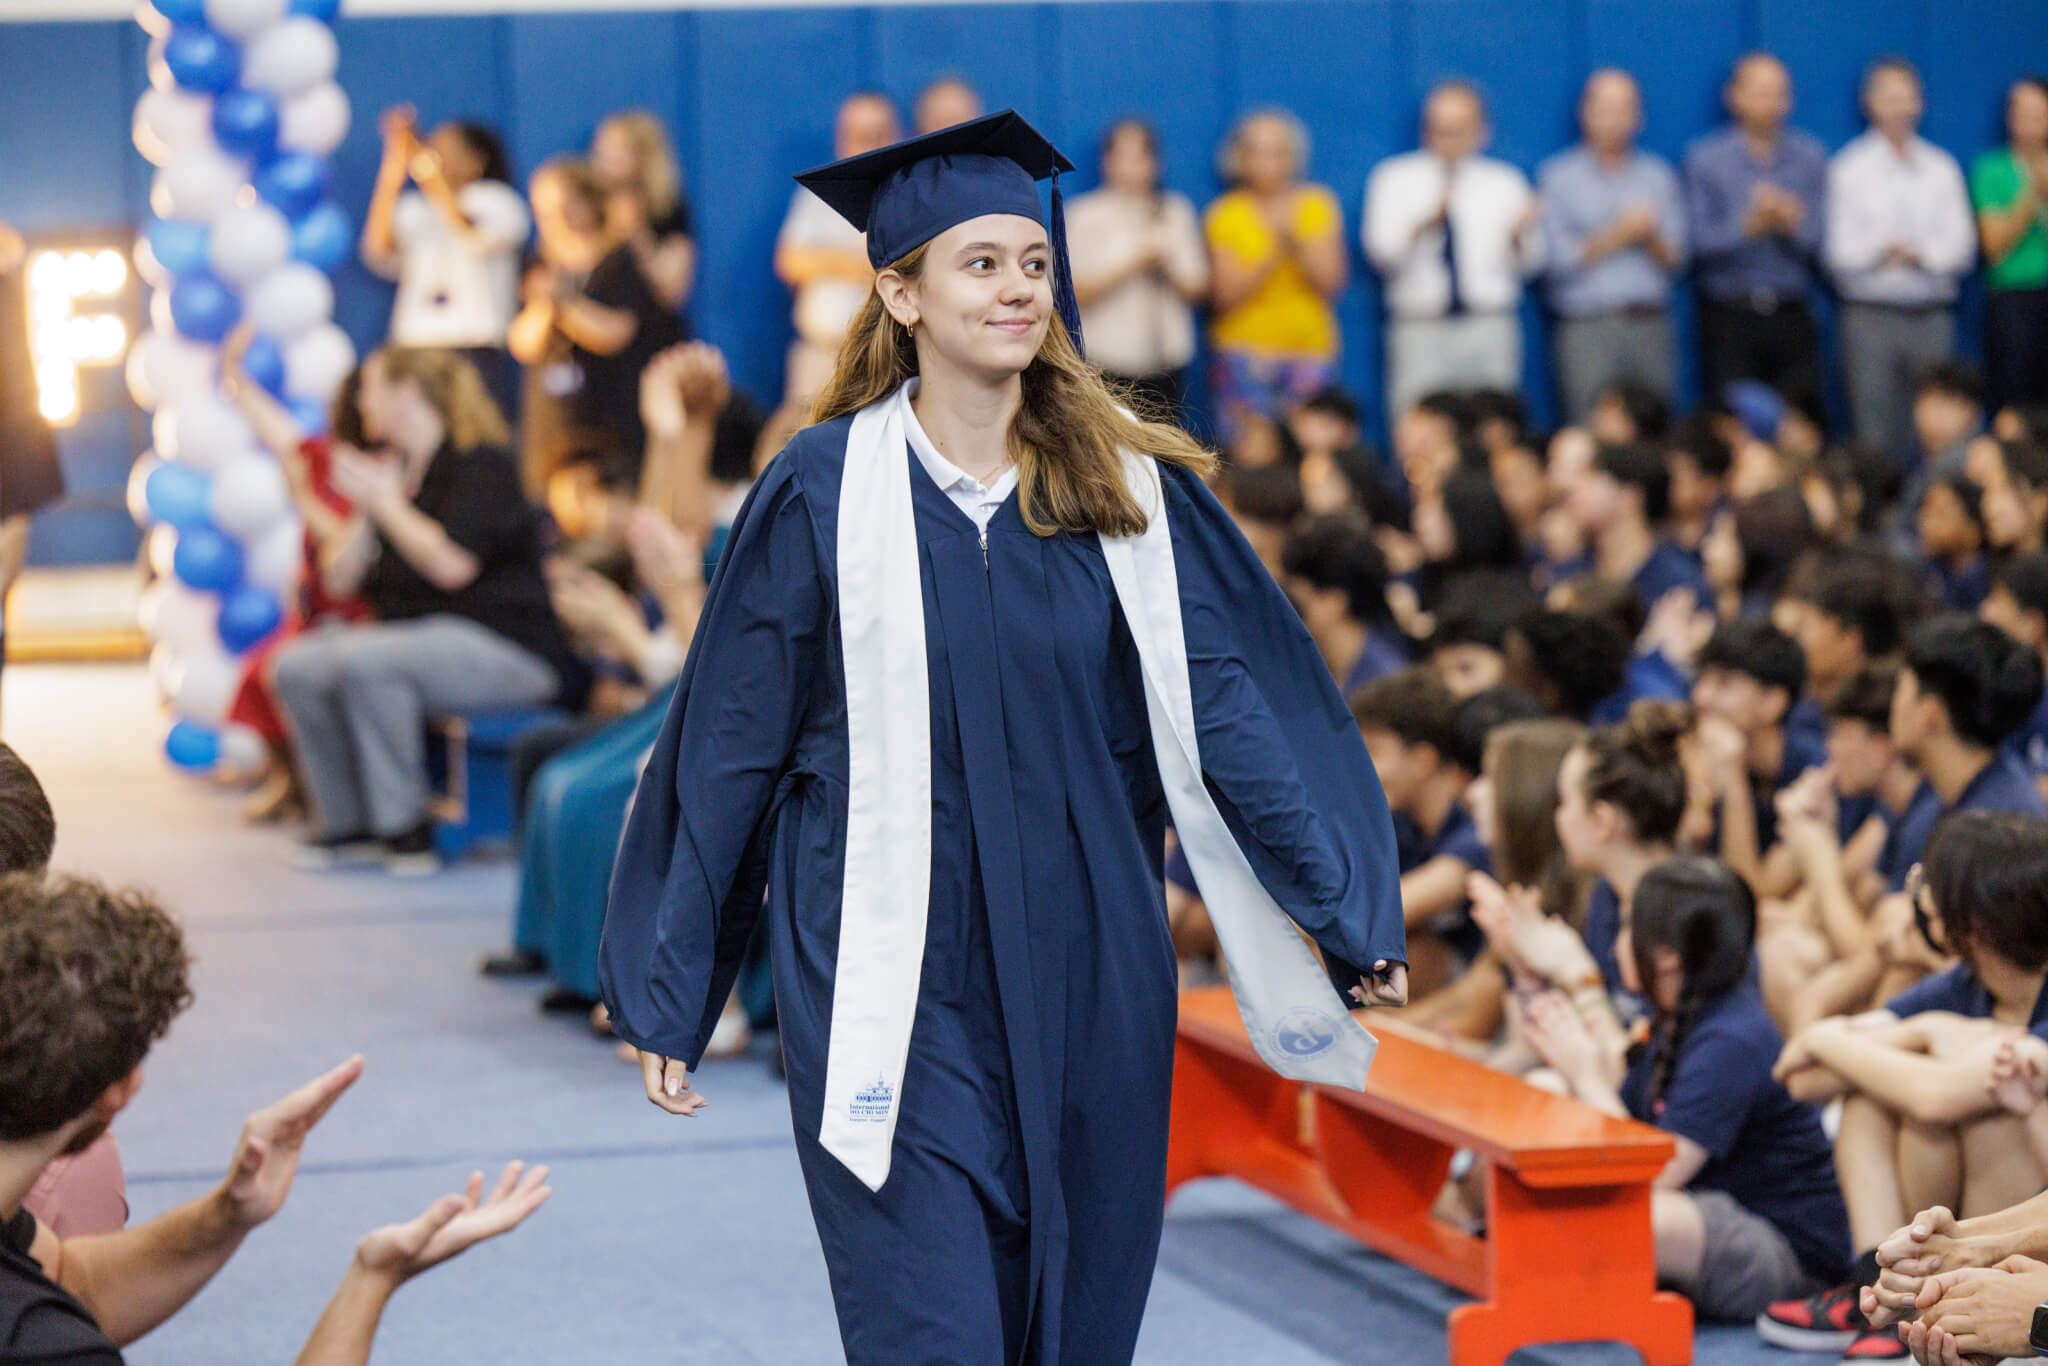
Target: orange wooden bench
point(1568, 1255)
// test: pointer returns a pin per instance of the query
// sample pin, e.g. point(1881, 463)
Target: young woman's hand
point(1556, 1031)
point(1385, 985)
point(668, 1085)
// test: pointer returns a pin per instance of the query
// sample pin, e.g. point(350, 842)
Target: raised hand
point(267, 1156)
point(454, 1223)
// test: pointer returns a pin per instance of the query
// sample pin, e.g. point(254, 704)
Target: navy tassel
point(1063, 285)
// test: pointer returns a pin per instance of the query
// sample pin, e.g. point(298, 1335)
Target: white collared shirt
point(1878, 199)
point(1487, 197)
point(978, 500)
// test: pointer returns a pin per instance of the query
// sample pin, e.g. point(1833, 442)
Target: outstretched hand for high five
point(454, 1224)
point(668, 1084)
point(267, 1157)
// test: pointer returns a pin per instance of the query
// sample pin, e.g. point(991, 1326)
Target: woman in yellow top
point(1276, 250)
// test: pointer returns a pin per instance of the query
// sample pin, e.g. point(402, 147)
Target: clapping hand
point(454, 1224)
point(666, 561)
point(1534, 944)
point(662, 409)
point(267, 1156)
point(370, 482)
point(1555, 1030)
point(399, 127)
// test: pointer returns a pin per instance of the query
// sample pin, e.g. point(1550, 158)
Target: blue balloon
point(245, 123)
point(181, 11)
point(203, 308)
point(324, 238)
point(201, 59)
point(207, 560)
point(323, 10)
point(192, 748)
point(177, 495)
point(179, 248)
point(295, 183)
point(311, 414)
point(247, 615)
point(263, 362)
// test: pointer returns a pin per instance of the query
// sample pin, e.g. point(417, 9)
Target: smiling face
point(983, 300)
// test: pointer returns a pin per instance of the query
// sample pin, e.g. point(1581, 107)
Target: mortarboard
point(904, 195)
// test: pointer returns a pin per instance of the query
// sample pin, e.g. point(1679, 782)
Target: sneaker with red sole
point(1827, 1322)
point(1876, 1344)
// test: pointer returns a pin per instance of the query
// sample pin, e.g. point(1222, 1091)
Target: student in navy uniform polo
point(1336, 578)
point(1409, 725)
point(2018, 605)
point(1750, 673)
point(1966, 688)
point(1920, 1123)
point(1620, 506)
point(1861, 606)
point(1747, 1211)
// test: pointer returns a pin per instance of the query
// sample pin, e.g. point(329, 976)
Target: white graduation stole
point(1296, 1020)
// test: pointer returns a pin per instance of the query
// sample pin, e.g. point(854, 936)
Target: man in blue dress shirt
point(1755, 195)
point(1616, 229)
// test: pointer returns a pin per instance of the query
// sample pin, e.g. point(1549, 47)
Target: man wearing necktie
point(1455, 234)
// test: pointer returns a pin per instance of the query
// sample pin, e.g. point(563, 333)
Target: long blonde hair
point(1066, 434)
point(661, 175)
point(454, 389)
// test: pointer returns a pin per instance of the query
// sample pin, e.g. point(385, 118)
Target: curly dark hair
point(90, 978)
point(28, 827)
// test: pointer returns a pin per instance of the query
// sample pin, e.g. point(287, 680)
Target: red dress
point(254, 705)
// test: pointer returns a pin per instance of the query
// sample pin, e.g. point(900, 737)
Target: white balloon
point(314, 122)
point(248, 243)
point(163, 545)
point(160, 320)
point(174, 615)
point(170, 122)
point(136, 371)
point(138, 481)
point(200, 184)
point(273, 561)
point(174, 369)
point(249, 497)
point(160, 76)
point(243, 751)
point(203, 432)
point(316, 363)
point(290, 301)
point(243, 19)
point(289, 58)
point(165, 670)
point(206, 685)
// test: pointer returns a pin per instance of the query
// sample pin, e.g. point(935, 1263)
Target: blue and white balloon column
point(240, 117)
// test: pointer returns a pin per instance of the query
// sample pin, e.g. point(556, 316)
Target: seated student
point(1833, 824)
point(1265, 503)
point(1426, 439)
point(91, 979)
point(2018, 605)
point(447, 552)
point(1513, 803)
point(1337, 471)
point(1626, 413)
point(1750, 552)
point(1407, 723)
point(1952, 537)
point(1566, 660)
point(1500, 419)
point(1948, 411)
point(1921, 1121)
point(1858, 608)
point(1465, 538)
point(1620, 507)
point(1464, 650)
point(1697, 462)
point(2014, 477)
point(1620, 798)
point(1337, 579)
point(1747, 1211)
point(1750, 673)
point(1650, 675)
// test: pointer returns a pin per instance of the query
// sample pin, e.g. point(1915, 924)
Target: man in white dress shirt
point(1455, 234)
point(1899, 239)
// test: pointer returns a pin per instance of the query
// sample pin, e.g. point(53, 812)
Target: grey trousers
point(1474, 351)
point(1594, 352)
point(358, 697)
point(1885, 351)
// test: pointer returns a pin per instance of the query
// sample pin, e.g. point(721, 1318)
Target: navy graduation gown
point(1021, 1217)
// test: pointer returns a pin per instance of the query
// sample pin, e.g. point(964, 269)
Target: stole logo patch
point(870, 1104)
point(1304, 1032)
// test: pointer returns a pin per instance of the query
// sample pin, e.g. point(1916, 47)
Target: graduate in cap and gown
point(979, 635)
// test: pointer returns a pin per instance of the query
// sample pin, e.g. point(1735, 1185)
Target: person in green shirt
point(2009, 187)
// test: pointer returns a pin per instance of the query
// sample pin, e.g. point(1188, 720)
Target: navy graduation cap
point(904, 195)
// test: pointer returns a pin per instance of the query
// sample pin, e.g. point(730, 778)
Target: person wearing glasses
point(1934, 1109)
